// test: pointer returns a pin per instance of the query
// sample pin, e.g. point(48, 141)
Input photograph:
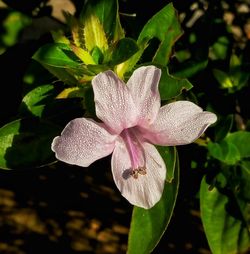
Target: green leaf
point(97, 55)
point(170, 30)
point(243, 194)
point(232, 149)
point(224, 151)
point(223, 78)
point(26, 143)
point(241, 139)
point(94, 35)
point(12, 26)
point(60, 60)
point(35, 101)
point(226, 233)
point(168, 154)
point(57, 55)
point(189, 68)
point(107, 12)
point(171, 86)
point(62, 74)
point(148, 226)
point(223, 127)
point(220, 48)
point(123, 50)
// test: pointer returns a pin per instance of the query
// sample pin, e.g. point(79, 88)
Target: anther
point(140, 170)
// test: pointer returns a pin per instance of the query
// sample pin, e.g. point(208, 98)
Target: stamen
point(136, 152)
point(135, 172)
point(142, 171)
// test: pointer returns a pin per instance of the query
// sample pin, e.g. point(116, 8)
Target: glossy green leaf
point(57, 55)
point(148, 226)
point(243, 193)
point(232, 149)
point(241, 139)
point(167, 20)
point(12, 26)
point(224, 151)
point(123, 50)
point(226, 233)
point(26, 143)
point(170, 31)
point(60, 60)
point(171, 86)
point(169, 156)
point(223, 127)
point(107, 12)
point(97, 55)
point(220, 48)
point(189, 68)
point(223, 78)
point(62, 74)
point(35, 101)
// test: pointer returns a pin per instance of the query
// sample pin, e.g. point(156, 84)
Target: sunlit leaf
point(59, 37)
point(220, 48)
point(57, 55)
point(164, 26)
point(223, 78)
point(107, 13)
point(169, 156)
point(12, 25)
point(123, 50)
point(128, 65)
point(226, 233)
point(232, 149)
point(241, 139)
point(26, 143)
point(170, 30)
point(71, 92)
point(238, 182)
point(224, 151)
point(83, 55)
point(223, 126)
point(94, 35)
point(189, 68)
point(148, 226)
point(34, 102)
point(171, 86)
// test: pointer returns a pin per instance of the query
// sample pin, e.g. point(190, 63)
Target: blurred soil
point(67, 209)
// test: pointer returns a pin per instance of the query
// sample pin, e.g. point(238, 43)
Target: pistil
point(136, 152)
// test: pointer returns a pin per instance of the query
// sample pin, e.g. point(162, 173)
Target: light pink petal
point(82, 142)
point(143, 85)
point(114, 104)
point(146, 190)
point(178, 123)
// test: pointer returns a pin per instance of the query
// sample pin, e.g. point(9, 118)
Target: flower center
point(136, 152)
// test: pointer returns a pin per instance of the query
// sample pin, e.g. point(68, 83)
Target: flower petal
point(143, 85)
point(178, 123)
point(82, 142)
point(146, 190)
point(114, 104)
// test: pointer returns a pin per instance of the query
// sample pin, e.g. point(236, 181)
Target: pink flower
point(132, 120)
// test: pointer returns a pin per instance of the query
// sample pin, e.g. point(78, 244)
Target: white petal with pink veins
point(82, 142)
point(178, 123)
point(143, 85)
point(113, 101)
point(145, 190)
